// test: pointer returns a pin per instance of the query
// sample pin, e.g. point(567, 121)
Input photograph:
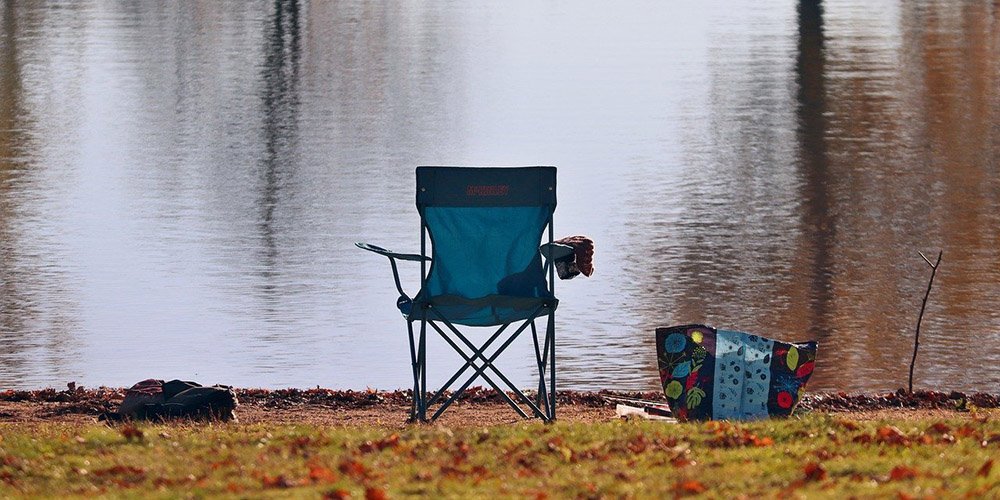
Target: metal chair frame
point(544, 406)
point(475, 356)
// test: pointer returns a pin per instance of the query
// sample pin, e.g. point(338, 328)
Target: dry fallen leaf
point(275, 481)
point(965, 430)
point(320, 474)
point(848, 424)
point(901, 472)
point(892, 435)
point(984, 471)
point(389, 442)
point(373, 493)
point(814, 472)
point(689, 487)
point(131, 432)
point(353, 468)
point(939, 428)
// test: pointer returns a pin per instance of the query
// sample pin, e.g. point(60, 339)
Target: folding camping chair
point(485, 226)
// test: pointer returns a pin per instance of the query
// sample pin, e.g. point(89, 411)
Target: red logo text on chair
point(487, 190)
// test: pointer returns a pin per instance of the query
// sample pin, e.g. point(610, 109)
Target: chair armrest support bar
point(392, 261)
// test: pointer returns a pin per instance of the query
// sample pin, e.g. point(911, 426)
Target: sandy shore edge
point(478, 408)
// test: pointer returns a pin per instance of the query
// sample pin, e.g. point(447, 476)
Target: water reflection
point(714, 240)
point(280, 99)
point(886, 190)
point(819, 225)
point(959, 50)
point(189, 179)
point(13, 301)
point(36, 317)
point(818, 240)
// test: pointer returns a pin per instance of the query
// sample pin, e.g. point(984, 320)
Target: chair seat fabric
point(491, 310)
point(487, 269)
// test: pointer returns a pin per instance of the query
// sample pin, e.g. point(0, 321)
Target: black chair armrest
point(391, 254)
point(558, 250)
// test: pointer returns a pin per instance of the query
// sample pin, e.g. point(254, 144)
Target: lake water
point(181, 183)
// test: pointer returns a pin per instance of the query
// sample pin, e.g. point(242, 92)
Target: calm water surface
point(181, 183)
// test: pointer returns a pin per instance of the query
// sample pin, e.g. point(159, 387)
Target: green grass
point(814, 456)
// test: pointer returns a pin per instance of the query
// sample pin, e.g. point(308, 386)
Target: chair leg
point(413, 370)
point(417, 369)
point(480, 353)
point(489, 342)
point(469, 362)
point(551, 334)
point(488, 362)
point(422, 361)
point(541, 397)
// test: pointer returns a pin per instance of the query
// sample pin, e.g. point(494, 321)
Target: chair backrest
point(485, 226)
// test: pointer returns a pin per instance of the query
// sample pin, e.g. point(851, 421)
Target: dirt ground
point(393, 415)
point(388, 415)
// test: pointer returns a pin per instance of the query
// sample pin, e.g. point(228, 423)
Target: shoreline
point(477, 407)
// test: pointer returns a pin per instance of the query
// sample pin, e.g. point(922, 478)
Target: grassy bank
point(817, 455)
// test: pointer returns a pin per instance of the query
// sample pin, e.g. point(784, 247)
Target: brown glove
point(583, 249)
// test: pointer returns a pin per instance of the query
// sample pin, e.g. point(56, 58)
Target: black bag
point(157, 400)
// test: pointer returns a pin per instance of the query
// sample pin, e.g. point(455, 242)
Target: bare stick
point(922, 256)
point(916, 338)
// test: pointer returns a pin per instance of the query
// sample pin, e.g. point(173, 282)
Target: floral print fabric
point(721, 374)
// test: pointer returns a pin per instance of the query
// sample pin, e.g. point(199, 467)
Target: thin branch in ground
point(923, 306)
